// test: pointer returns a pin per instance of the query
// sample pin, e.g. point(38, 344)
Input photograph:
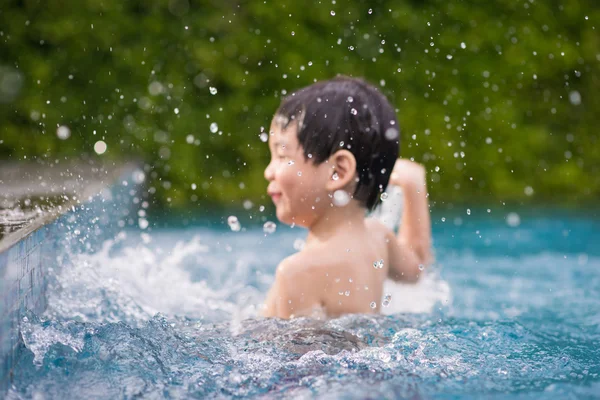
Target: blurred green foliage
point(495, 98)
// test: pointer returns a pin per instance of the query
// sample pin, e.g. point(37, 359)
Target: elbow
point(423, 260)
point(414, 276)
point(408, 275)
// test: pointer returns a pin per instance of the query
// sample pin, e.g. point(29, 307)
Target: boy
point(333, 147)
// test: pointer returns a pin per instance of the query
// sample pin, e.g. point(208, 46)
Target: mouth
point(275, 196)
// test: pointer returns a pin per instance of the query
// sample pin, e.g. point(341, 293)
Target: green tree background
point(498, 99)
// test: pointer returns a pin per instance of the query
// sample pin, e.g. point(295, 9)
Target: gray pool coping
point(17, 182)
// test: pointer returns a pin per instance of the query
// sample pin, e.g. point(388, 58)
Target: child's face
point(296, 185)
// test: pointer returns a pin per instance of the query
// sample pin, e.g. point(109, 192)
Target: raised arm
point(412, 247)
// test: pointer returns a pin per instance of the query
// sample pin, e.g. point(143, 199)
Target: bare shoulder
point(299, 271)
point(297, 286)
point(377, 227)
point(296, 265)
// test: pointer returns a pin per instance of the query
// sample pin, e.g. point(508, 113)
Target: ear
point(342, 164)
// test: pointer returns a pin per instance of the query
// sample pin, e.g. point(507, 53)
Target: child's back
point(333, 148)
point(346, 272)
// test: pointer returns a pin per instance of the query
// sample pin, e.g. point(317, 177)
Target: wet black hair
point(347, 113)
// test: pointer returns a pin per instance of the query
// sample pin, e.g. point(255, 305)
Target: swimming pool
point(511, 310)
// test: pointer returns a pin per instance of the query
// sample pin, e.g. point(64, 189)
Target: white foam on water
point(39, 338)
point(133, 280)
point(420, 297)
point(136, 282)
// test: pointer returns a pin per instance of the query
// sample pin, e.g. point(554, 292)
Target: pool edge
point(26, 255)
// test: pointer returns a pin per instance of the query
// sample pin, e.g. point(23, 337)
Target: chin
point(288, 218)
point(283, 216)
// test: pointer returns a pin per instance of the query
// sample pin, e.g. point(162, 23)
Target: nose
point(270, 172)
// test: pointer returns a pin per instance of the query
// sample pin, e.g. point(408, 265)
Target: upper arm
point(406, 264)
point(403, 262)
point(294, 291)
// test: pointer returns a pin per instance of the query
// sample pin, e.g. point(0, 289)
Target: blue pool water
point(508, 311)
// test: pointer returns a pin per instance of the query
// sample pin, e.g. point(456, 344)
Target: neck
point(336, 219)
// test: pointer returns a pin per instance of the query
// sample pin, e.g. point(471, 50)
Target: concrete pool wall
point(92, 207)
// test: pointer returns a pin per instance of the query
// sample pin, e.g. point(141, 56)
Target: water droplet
point(421, 267)
point(63, 132)
point(247, 204)
point(263, 137)
point(528, 191)
point(386, 300)
point(299, 173)
point(373, 305)
point(100, 147)
point(212, 90)
point(335, 176)
point(138, 176)
point(353, 111)
point(291, 162)
point(309, 155)
point(155, 88)
point(370, 11)
point(233, 223)
point(378, 264)
point(261, 208)
point(443, 219)
point(350, 99)
point(341, 198)
point(513, 220)
point(269, 227)
point(383, 196)
point(575, 98)
point(299, 244)
point(143, 223)
point(391, 134)
point(332, 13)
point(468, 211)
point(189, 139)
point(463, 45)
point(342, 143)
point(214, 127)
point(347, 293)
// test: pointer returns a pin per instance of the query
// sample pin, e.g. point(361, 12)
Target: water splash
point(503, 332)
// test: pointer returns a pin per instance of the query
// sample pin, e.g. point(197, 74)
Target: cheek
point(289, 180)
point(303, 185)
